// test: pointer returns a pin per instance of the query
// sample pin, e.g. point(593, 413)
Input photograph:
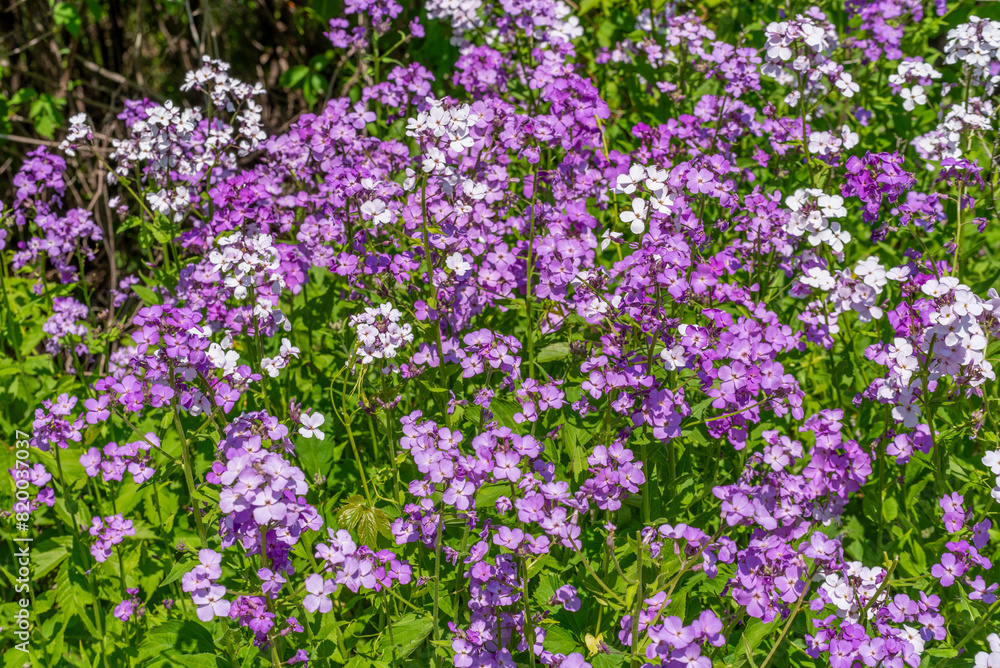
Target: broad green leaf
point(408, 632)
point(555, 351)
point(147, 295)
point(177, 637)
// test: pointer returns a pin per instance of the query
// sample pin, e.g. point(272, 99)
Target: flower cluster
point(200, 582)
point(355, 567)
point(109, 531)
point(115, 460)
point(130, 607)
point(380, 333)
point(486, 329)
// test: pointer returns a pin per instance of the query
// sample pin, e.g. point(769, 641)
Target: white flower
point(287, 349)
point(456, 262)
point(608, 237)
point(991, 460)
point(627, 182)
point(311, 424)
point(271, 366)
point(850, 138)
point(376, 211)
point(913, 97)
point(657, 179)
point(898, 273)
point(912, 636)
point(935, 288)
point(831, 206)
point(673, 358)
point(908, 414)
point(222, 359)
point(475, 191)
point(846, 85)
point(663, 202)
point(820, 142)
point(871, 272)
point(380, 336)
point(636, 217)
point(434, 161)
point(819, 278)
point(460, 140)
point(966, 303)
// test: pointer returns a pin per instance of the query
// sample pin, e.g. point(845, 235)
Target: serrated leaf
point(48, 554)
point(365, 519)
point(73, 595)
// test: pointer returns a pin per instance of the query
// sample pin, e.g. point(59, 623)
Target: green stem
point(956, 268)
point(437, 584)
point(186, 463)
point(638, 600)
point(388, 623)
point(528, 274)
point(233, 661)
point(605, 587)
point(529, 626)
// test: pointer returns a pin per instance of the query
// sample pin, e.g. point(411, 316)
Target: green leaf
point(163, 229)
point(890, 509)
point(699, 408)
point(73, 595)
point(176, 573)
point(754, 633)
point(65, 16)
point(95, 8)
point(130, 222)
point(315, 89)
point(409, 632)
point(147, 295)
point(23, 95)
point(504, 412)
point(556, 351)
point(749, 652)
point(559, 639)
point(293, 76)
point(177, 638)
point(13, 329)
point(326, 9)
point(367, 520)
point(202, 660)
point(487, 495)
point(48, 554)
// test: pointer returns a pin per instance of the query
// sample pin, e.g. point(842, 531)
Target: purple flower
point(318, 597)
point(211, 603)
point(566, 595)
point(981, 592)
point(949, 569)
point(97, 409)
point(509, 538)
